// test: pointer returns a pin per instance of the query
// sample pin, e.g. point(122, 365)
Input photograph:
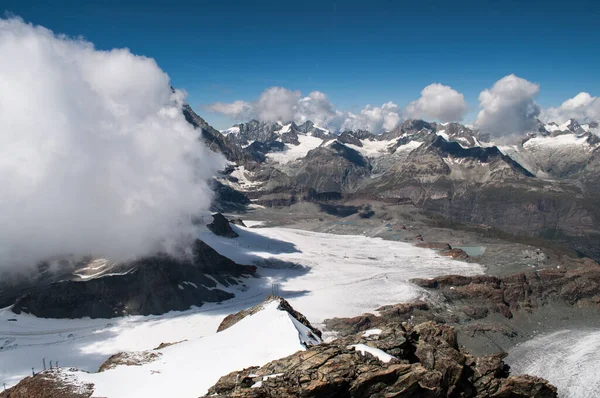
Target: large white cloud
point(438, 102)
point(583, 107)
point(319, 109)
point(508, 107)
point(95, 155)
point(374, 118)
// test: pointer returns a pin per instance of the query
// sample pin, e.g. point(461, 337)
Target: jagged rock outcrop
point(472, 298)
point(397, 360)
point(152, 285)
point(220, 226)
point(519, 292)
point(232, 319)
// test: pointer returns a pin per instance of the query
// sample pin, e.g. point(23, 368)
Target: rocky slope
point(153, 285)
point(97, 288)
point(494, 313)
point(397, 360)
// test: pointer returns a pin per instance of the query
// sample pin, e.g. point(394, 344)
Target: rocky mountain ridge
point(545, 185)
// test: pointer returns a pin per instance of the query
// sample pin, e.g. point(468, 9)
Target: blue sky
point(356, 52)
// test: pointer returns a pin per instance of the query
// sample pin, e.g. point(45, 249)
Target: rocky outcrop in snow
point(283, 305)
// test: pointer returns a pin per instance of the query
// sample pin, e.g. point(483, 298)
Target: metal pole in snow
point(44, 362)
point(50, 364)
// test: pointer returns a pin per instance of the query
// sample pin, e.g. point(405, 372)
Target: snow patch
point(371, 332)
point(376, 352)
point(443, 134)
point(231, 130)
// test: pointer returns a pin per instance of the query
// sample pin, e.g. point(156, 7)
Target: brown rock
point(427, 363)
point(48, 384)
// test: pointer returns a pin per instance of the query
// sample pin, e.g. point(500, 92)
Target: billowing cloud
point(319, 109)
point(278, 104)
point(238, 110)
point(374, 118)
point(95, 155)
point(438, 102)
point(583, 107)
point(508, 107)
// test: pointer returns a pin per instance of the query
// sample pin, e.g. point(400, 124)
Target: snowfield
point(336, 275)
point(189, 368)
point(293, 152)
point(568, 359)
point(321, 275)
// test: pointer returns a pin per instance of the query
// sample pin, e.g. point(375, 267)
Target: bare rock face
point(396, 361)
point(129, 359)
point(232, 319)
point(220, 226)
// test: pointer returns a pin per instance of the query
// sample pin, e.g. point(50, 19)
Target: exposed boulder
point(237, 221)
point(220, 226)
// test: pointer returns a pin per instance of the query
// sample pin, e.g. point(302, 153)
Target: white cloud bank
point(438, 102)
point(95, 155)
point(583, 107)
point(508, 107)
point(280, 104)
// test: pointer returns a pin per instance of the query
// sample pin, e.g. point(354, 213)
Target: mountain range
point(545, 184)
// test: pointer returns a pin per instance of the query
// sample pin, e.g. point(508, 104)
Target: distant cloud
point(583, 107)
point(508, 107)
point(236, 110)
point(374, 118)
point(438, 102)
point(280, 104)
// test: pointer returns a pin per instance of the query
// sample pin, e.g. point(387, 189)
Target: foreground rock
point(48, 384)
point(149, 286)
point(394, 361)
